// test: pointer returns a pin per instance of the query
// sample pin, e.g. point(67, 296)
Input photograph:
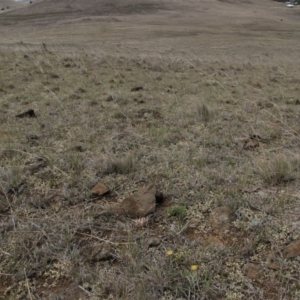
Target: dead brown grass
point(215, 132)
point(80, 135)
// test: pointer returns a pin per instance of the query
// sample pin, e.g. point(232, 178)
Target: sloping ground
point(199, 99)
point(225, 9)
point(219, 139)
point(92, 7)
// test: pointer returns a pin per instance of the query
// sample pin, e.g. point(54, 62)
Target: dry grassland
point(218, 134)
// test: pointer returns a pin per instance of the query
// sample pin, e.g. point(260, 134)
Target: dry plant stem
point(27, 285)
point(184, 228)
point(105, 241)
point(4, 252)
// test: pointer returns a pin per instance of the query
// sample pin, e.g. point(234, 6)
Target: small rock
point(28, 113)
point(100, 189)
point(292, 250)
point(139, 100)
point(79, 148)
point(153, 242)
point(221, 217)
point(137, 88)
point(110, 98)
point(256, 85)
point(271, 262)
point(140, 204)
point(74, 96)
point(81, 90)
point(53, 75)
point(253, 271)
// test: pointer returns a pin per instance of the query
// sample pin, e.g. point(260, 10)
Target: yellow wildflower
point(170, 252)
point(194, 267)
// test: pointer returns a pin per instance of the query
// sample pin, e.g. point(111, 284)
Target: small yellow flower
point(194, 267)
point(170, 252)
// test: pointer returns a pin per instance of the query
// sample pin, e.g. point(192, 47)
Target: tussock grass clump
point(178, 211)
point(277, 171)
point(120, 165)
point(10, 180)
point(204, 113)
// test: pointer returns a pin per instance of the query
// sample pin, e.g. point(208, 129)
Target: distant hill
point(91, 7)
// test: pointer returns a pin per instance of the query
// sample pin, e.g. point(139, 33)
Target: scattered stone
point(81, 90)
point(268, 104)
point(256, 85)
point(56, 89)
point(153, 242)
point(137, 88)
point(28, 113)
point(98, 252)
point(32, 136)
point(68, 65)
point(292, 250)
point(74, 96)
point(253, 271)
point(110, 98)
point(139, 100)
point(257, 137)
point(221, 217)
point(100, 189)
point(79, 148)
point(53, 75)
point(140, 204)
point(271, 262)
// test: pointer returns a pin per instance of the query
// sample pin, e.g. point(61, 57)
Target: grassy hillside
point(207, 134)
point(199, 109)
